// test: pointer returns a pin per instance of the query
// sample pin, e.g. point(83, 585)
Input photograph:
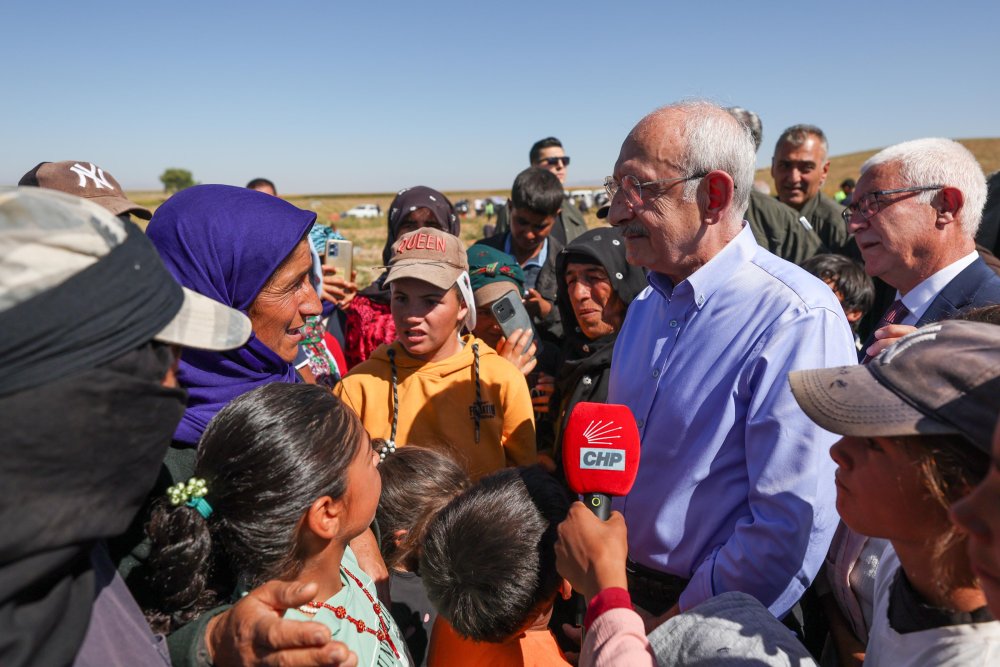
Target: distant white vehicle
point(363, 211)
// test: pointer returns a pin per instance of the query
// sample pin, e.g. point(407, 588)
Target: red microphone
point(600, 454)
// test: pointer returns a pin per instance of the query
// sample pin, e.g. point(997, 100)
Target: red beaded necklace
point(382, 634)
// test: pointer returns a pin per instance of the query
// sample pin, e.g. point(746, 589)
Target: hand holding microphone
point(591, 553)
point(601, 459)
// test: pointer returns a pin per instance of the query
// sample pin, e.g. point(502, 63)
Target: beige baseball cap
point(47, 238)
point(436, 257)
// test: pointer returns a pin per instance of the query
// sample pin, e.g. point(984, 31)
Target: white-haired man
point(914, 216)
point(735, 491)
point(799, 166)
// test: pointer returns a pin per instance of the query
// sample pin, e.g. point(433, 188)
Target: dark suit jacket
point(974, 287)
point(549, 328)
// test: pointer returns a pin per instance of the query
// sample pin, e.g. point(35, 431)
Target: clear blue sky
point(332, 96)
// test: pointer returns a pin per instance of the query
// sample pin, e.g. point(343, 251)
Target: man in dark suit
point(914, 216)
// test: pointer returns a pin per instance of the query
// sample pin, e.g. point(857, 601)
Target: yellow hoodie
point(437, 405)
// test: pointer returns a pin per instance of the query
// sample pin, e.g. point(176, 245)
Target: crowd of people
point(217, 450)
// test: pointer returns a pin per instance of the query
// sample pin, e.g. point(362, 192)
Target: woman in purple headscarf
point(249, 251)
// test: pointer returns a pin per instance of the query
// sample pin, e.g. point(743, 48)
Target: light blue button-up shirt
point(735, 487)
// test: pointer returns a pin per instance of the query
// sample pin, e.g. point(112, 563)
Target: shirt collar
point(918, 299)
point(704, 282)
point(537, 260)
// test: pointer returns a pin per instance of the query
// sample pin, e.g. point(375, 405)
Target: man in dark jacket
point(535, 201)
point(548, 154)
point(799, 168)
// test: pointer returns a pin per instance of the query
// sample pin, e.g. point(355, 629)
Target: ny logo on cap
point(95, 173)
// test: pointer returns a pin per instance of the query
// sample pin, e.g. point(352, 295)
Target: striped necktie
point(894, 315)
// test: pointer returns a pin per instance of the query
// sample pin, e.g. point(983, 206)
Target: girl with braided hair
point(285, 478)
point(432, 386)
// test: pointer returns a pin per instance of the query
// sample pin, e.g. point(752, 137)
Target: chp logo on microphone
point(606, 456)
point(600, 449)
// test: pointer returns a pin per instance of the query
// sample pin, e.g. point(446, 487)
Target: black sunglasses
point(553, 161)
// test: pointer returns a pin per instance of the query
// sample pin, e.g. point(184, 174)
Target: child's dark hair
point(266, 457)
point(416, 483)
point(537, 190)
point(847, 278)
point(488, 560)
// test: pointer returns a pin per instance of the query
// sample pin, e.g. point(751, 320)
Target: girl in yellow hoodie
point(432, 386)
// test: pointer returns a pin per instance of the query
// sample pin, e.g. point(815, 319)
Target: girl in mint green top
point(285, 478)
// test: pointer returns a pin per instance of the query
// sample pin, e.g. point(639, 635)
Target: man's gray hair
point(752, 121)
point(714, 140)
point(937, 161)
point(796, 135)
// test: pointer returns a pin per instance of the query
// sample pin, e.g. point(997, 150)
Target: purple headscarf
point(225, 242)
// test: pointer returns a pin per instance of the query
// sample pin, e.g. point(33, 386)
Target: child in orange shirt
point(488, 564)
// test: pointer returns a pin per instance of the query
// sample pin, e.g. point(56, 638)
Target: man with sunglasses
point(735, 491)
point(914, 216)
point(548, 154)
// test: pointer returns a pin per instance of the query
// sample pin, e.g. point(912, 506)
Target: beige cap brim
point(205, 324)
point(487, 294)
point(439, 275)
point(850, 401)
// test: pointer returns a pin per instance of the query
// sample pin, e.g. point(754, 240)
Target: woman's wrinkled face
point(282, 306)
point(599, 310)
point(979, 515)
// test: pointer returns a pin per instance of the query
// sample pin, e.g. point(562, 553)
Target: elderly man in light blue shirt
point(735, 490)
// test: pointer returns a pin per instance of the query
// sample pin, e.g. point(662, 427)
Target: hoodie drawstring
point(479, 396)
point(395, 395)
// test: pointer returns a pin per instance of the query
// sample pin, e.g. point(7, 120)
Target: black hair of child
point(266, 457)
point(488, 559)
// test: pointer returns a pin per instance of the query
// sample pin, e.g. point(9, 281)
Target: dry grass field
point(369, 235)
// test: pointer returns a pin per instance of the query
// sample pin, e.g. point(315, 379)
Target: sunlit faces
point(279, 311)
point(427, 318)
point(979, 514)
point(364, 486)
point(663, 233)
point(799, 171)
point(882, 493)
point(414, 220)
point(598, 309)
point(528, 231)
point(896, 241)
point(557, 167)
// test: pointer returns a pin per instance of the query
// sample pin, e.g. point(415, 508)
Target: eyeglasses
point(871, 203)
point(555, 161)
point(632, 188)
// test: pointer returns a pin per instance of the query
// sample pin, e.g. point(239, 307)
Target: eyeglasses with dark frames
point(871, 203)
point(554, 161)
point(632, 188)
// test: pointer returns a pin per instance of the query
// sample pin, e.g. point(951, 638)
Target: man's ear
point(323, 517)
point(949, 204)
point(719, 187)
point(853, 315)
point(826, 172)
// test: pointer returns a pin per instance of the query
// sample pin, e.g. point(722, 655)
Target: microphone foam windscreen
point(600, 449)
